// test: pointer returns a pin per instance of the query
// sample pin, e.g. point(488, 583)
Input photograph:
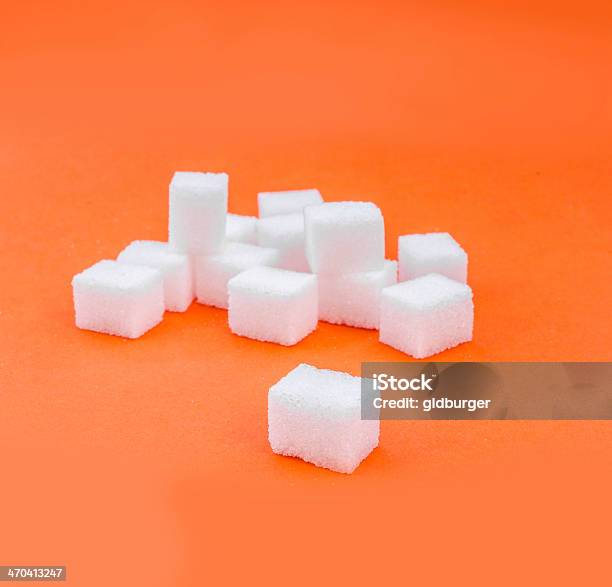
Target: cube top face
point(118, 278)
point(241, 256)
point(270, 281)
point(286, 202)
point(196, 184)
point(355, 214)
point(239, 228)
point(435, 252)
point(431, 245)
point(332, 394)
point(154, 253)
point(344, 237)
point(281, 228)
point(428, 292)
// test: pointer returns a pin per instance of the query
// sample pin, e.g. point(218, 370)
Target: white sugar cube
point(426, 315)
point(175, 267)
point(125, 300)
point(212, 272)
point(285, 232)
point(198, 207)
point(315, 414)
point(273, 203)
point(273, 305)
point(344, 237)
point(241, 229)
point(434, 252)
point(354, 298)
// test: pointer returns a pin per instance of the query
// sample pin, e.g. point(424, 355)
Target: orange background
point(146, 462)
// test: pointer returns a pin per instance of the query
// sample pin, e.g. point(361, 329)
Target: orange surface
point(146, 462)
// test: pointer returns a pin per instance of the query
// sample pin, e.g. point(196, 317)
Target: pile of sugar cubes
point(302, 260)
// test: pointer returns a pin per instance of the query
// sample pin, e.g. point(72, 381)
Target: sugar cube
point(354, 298)
point(434, 252)
point(426, 315)
point(198, 207)
point(241, 229)
point(273, 203)
point(175, 267)
point(125, 300)
point(315, 414)
point(214, 271)
point(344, 237)
point(285, 232)
point(273, 305)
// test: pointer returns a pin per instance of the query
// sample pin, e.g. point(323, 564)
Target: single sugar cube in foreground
point(273, 203)
point(426, 315)
point(241, 229)
point(353, 299)
point(285, 232)
point(114, 298)
point(175, 268)
point(344, 237)
point(212, 272)
point(198, 208)
point(315, 415)
point(273, 305)
point(434, 252)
